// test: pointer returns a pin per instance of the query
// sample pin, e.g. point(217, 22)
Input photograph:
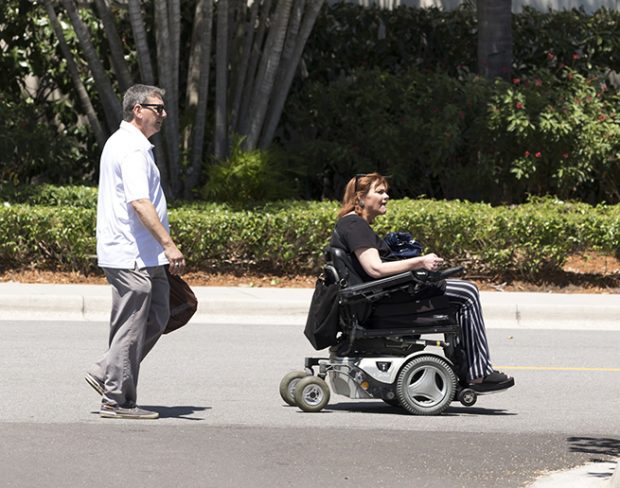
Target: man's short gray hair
point(138, 94)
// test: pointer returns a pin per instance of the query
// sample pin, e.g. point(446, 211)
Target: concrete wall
point(517, 5)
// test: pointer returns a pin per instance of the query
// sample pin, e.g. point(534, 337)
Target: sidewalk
point(502, 309)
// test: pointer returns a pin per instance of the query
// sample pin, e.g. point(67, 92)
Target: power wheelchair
point(381, 350)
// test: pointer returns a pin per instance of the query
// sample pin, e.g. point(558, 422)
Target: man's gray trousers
point(140, 312)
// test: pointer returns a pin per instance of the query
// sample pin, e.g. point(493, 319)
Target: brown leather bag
point(183, 303)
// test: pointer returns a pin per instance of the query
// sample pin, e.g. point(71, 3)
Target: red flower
point(565, 155)
point(550, 56)
point(538, 82)
point(519, 106)
point(526, 154)
point(602, 117)
point(576, 56)
point(516, 81)
point(538, 154)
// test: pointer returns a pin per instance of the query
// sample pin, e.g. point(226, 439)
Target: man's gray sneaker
point(95, 383)
point(135, 413)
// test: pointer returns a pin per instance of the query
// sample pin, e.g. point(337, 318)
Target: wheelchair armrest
point(374, 290)
point(425, 276)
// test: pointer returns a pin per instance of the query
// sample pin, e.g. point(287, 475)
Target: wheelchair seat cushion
point(398, 313)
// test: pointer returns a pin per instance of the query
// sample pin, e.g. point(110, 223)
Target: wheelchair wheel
point(467, 397)
point(426, 385)
point(311, 394)
point(287, 386)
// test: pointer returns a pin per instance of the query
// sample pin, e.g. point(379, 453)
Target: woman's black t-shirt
point(355, 233)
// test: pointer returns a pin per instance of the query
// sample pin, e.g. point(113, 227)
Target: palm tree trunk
point(166, 81)
point(139, 36)
point(194, 64)
point(267, 71)
point(287, 55)
point(110, 102)
point(242, 67)
point(116, 46)
point(243, 121)
point(204, 9)
point(80, 89)
point(221, 73)
point(174, 17)
point(287, 72)
point(494, 38)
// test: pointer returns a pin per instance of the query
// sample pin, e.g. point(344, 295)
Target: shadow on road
point(597, 446)
point(178, 412)
point(382, 408)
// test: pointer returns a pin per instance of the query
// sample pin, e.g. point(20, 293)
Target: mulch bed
point(584, 273)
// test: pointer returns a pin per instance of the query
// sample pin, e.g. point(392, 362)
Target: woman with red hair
point(366, 198)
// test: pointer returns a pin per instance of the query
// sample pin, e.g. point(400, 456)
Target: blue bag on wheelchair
point(402, 246)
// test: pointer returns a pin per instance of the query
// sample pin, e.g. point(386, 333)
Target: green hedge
point(526, 240)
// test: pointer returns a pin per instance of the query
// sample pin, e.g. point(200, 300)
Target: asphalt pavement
point(503, 310)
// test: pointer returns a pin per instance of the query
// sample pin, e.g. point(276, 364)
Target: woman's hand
point(431, 262)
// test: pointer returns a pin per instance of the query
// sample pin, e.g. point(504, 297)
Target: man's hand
point(175, 258)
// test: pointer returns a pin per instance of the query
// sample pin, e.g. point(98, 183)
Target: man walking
point(133, 246)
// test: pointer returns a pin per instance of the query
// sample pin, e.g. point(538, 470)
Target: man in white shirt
point(133, 246)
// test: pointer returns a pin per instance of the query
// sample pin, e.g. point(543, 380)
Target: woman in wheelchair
point(366, 198)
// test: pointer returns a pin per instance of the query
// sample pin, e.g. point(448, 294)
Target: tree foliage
point(106, 45)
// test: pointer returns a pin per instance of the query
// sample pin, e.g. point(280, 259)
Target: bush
point(572, 38)
point(527, 240)
point(50, 195)
point(557, 136)
point(50, 237)
point(248, 177)
point(349, 37)
point(470, 139)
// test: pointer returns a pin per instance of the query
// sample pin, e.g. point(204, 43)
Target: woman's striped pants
point(469, 317)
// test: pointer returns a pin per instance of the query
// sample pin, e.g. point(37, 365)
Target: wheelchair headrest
point(333, 254)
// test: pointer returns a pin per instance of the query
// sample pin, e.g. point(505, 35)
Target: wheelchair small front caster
point(467, 397)
point(311, 394)
point(288, 385)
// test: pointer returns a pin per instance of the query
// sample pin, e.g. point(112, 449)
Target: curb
point(518, 310)
point(615, 479)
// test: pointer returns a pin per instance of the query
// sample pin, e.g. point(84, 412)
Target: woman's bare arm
point(375, 268)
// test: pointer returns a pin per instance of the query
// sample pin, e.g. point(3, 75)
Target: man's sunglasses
point(157, 107)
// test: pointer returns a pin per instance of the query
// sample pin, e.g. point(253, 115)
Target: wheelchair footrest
point(436, 329)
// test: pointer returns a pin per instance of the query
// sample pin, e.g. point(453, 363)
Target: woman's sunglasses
point(362, 175)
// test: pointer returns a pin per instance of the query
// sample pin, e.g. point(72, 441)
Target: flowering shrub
point(568, 38)
point(471, 138)
point(558, 135)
